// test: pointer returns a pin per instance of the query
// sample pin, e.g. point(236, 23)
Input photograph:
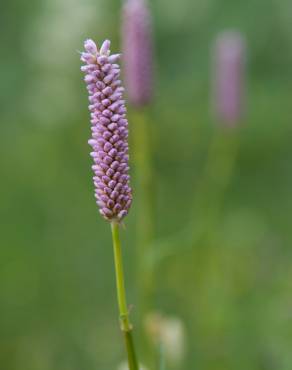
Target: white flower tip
point(105, 48)
point(168, 331)
point(125, 366)
point(90, 46)
point(114, 58)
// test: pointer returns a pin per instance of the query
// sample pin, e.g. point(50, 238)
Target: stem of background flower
point(144, 199)
point(209, 197)
point(221, 159)
point(125, 323)
point(161, 359)
point(210, 192)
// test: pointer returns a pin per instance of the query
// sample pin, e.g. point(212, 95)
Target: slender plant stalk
point(145, 215)
point(219, 170)
point(161, 360)
point(217, 177)
point(126, 326)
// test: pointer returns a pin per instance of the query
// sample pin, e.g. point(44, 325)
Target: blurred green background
point(233, 288)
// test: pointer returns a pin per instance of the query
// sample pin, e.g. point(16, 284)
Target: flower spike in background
point(229, 56)
point(110, 155)
point(109, 128)
point(137, 52)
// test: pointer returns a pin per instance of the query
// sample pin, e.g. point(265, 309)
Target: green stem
point(126, 326)
point(144, 197)
point(222, 155)
point(161, 360)
point(217, 176)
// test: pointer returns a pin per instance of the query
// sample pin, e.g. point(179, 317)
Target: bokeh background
point(232, 286)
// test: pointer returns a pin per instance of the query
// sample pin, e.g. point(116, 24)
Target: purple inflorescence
point(229, 58)
point(137, 52)
point(109, 128)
